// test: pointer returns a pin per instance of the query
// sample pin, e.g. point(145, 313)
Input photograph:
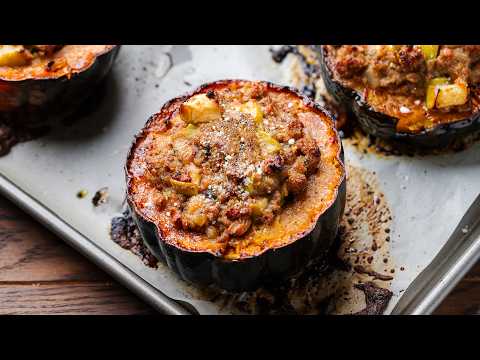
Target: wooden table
point(40, 274)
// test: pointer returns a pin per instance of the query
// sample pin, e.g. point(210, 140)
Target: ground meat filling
point(406, 69)
point(419, 84)
point(237, 157)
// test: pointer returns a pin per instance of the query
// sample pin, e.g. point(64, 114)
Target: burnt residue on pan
point(124, 232)
point(376, 299)
point(304, 73)
point(353, 278)
point(100, 197)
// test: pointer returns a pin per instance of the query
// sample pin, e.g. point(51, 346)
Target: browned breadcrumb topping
point(237, 157)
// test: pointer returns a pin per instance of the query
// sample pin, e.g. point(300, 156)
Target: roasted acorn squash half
point(40, 83)
point(254, 254)
point(420, 124)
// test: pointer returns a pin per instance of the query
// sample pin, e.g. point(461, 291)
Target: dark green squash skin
point(384, 126)
point(270, 267)
point(36, 102)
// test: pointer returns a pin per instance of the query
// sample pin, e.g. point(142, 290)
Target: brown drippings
point(362, 270)
point(125, 233)
point(376, 299)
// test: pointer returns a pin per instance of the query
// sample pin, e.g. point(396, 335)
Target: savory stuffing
point(236, 157)
point(21, 55)
point(235, 169)
point(19, 62)
point(412, 81)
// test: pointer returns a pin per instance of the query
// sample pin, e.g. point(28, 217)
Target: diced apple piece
point(267, 142)
point(429, 51)
point(248, 182)
point(186, 188)
point(13, 55)
point(195, 174)
point(254, 110)
point(452, 95)
point(200, 109)
point(187, 132)
point(432, 91)
point(258, 206)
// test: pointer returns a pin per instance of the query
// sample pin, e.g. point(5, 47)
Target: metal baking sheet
point(44, 176)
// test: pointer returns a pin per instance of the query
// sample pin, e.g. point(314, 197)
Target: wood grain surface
point(39, 274)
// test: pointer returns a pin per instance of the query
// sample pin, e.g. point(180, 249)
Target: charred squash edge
point(383, 125)
point(59, 96)
point(269, 266)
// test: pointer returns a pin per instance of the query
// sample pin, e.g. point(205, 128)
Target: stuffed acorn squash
point(48, 82)
point(237, 184)
point(427, 95)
